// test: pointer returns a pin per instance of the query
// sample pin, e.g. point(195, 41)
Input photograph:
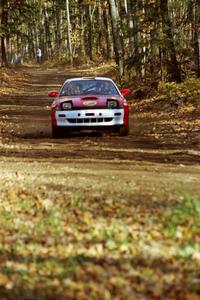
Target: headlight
point(112, 103)
point(66, 105)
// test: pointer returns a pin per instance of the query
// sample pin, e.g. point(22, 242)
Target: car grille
point(89, 120)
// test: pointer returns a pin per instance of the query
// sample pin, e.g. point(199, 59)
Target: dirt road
point(139, 175)
point(28, 127)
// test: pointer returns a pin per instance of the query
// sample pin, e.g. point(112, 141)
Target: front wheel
point(56, 132)
point(124, 130)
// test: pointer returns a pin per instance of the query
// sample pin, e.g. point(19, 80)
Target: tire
point(56, 132)
point(124, 130)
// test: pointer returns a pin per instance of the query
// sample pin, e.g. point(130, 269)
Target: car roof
point(90, 78)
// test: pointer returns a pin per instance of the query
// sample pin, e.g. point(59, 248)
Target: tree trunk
point(4, 62)
point(82, 29)
point(4, 19)
point(173, 71)
point(49, 50)
point(31, 52)
point(90, 32)
point(108, 31)
point(196, 37)
point(58, 29)
point(1, 8)
point(69, 43)
point(100, 33)
point(134, 37)
point(117, 36)
point(126, 6)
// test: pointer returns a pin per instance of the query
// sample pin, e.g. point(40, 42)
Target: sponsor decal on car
point(89, 103)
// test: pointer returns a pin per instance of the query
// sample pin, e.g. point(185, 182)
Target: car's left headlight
point(112, 103)
point(66, 105)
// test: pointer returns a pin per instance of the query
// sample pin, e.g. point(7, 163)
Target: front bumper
point(90, 118)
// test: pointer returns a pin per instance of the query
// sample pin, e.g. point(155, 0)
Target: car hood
point(90, 100)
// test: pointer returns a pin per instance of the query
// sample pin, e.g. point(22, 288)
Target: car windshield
point(88, 87)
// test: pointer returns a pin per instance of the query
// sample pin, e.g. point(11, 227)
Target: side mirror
point(53, 94)
point(125, 92)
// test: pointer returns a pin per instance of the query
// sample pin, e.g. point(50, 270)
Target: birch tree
point(117, 36)
point(69, 43)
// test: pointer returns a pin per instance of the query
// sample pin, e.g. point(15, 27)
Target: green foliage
point(184, 214)
point(188, 91)
point(184, 211)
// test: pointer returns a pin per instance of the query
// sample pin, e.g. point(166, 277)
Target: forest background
point(150, 40)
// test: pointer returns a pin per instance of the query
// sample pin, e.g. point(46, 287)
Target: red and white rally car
point(89, 104)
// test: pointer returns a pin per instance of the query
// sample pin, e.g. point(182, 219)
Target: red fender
point(126, 114)
point(53, 116)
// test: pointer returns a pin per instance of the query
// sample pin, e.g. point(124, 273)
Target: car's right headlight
point(66, 105)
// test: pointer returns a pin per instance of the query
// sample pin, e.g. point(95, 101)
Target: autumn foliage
point(186, 92)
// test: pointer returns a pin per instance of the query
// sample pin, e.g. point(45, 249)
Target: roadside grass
point(182, 222)
point(62, 244)
point(185, 213)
